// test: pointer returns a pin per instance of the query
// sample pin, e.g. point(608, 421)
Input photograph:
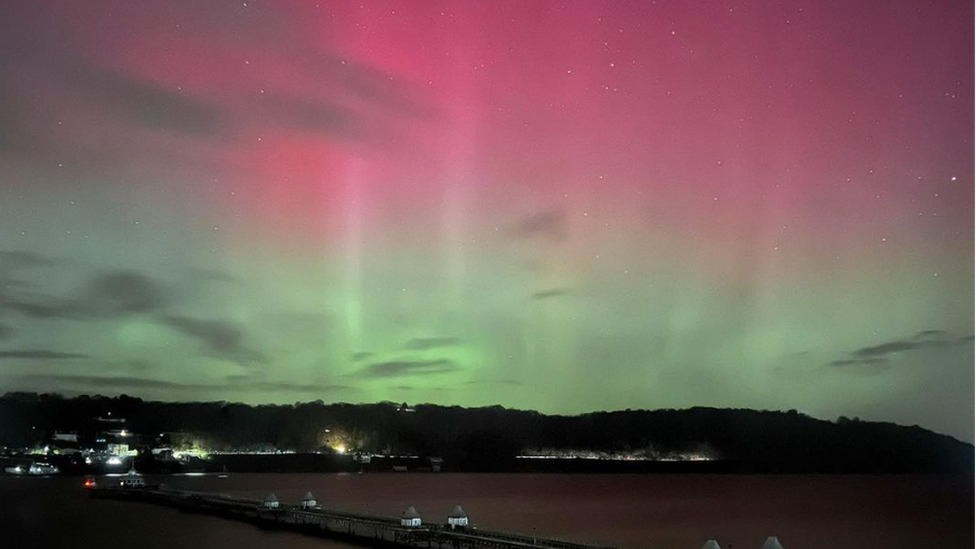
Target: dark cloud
point(222, 339)
point(424, 343)
point(361, 82)
point(107, 295)
point(923, 339)
point(550, 224)
point(408, 367)
point(47, 45)
point(37, 51)
point(879, 355)
point(120, 293)
point(293, 387)
point(6, 330)
point(869, 361)
point(315, 116)
point(887, 348)
point(362, 355)
point(39, 354)
point(39, 306)
point(359, 102)
point(554, 292)
point(117, 294)
point(138, 102)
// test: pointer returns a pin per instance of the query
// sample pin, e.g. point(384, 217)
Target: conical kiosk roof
point(411, 513)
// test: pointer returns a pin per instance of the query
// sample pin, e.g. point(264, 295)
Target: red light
point(89, 483)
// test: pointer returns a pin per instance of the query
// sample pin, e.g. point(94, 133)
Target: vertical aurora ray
point(353, 206)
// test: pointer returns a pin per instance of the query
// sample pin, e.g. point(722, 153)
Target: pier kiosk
point(132, 479)
point(308, 501)
point(458, 518)
point(410, 518)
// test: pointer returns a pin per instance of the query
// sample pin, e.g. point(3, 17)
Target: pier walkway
point(373, 531)
point(363, 529)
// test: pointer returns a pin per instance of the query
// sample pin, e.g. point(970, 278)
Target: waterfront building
point(271, 502)
point(65, 437)
point(405, 408)
point(410, 518)
point(458, 518)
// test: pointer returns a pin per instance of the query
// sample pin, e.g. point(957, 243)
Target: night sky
point(562, 206)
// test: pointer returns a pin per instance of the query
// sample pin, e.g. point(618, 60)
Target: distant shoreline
point(312, 463)
point(92, 435)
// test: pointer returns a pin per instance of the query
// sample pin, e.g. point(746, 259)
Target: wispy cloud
point(109, 294)
point(119, 293)
point(123, 293)
point(509, 382)
point(869, 361)
point(294, 387)
point(408, 367)
point(136, 383)
point(880, 355)
point(222, 339)
point(40, 354)
point(549, 223)
point(346, 99)
point(547, 294)
point(21, 259)
point(424, 343)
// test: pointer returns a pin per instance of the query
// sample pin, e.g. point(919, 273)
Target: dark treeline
point(489, 438)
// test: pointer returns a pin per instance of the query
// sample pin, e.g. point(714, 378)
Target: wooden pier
point(362, 529)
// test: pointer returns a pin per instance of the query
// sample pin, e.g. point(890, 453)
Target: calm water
point(665, 512)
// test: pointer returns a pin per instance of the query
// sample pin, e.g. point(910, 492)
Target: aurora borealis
point(562, 206)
